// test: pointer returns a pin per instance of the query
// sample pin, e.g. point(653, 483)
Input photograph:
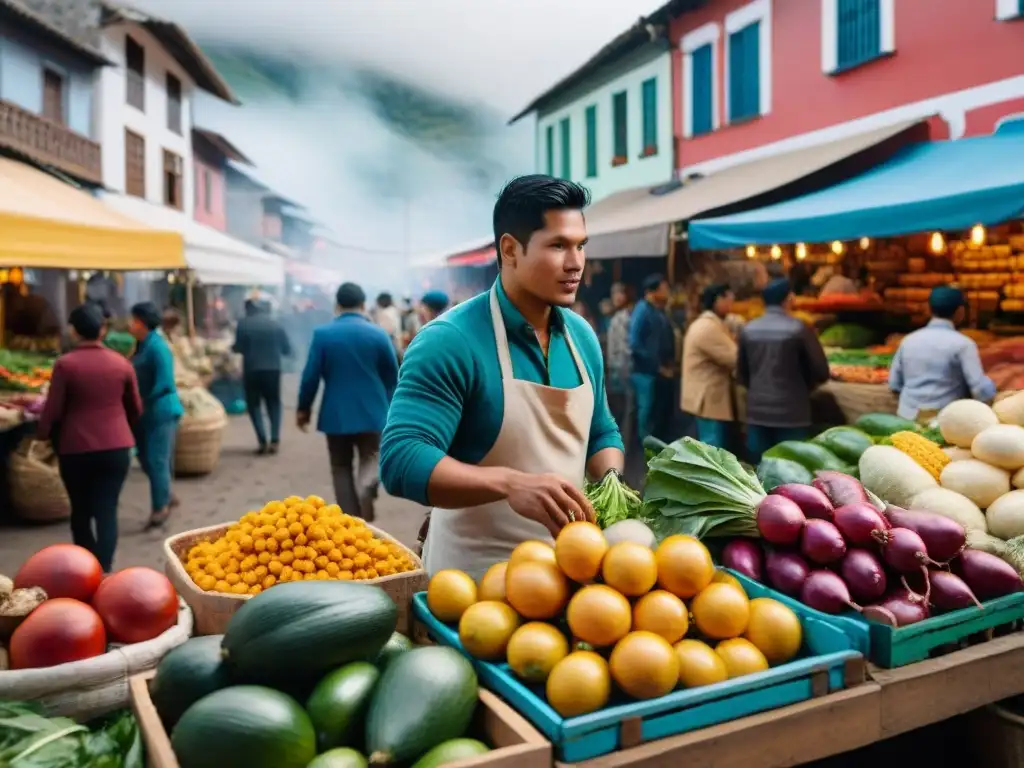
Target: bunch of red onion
point(829, 546)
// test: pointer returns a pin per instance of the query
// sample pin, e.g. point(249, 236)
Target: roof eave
point(42, 26)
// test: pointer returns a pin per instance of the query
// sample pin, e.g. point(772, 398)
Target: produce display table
point(855, 400)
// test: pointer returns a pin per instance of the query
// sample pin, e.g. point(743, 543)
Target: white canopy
point(214, 257)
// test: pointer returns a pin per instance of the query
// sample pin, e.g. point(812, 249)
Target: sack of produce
point(37, 492)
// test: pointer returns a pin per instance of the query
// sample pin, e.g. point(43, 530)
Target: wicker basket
point(93, 687)
point(37, 492)
point(197, 447)
point(213, 610)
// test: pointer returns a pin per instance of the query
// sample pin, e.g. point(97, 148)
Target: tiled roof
point(62, 21)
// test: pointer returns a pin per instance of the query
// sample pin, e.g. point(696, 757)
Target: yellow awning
point(45, 223)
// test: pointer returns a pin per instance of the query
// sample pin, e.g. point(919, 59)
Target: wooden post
point(190, 304)
point(671, 266)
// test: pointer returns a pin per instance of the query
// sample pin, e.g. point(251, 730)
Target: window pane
point(650, 116)
point(549, 138)
point(859, 31)
point(563, 130)
point(591, 140)
point(619, 117)
point(701, 100)
point(744, 73)
point(135, 66)
point(173, 104)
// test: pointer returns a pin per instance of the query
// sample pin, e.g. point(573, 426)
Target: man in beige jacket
point(709, 359)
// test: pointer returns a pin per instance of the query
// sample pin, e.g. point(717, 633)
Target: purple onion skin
point(948, 592)
point(858, 523)
point(987, 575)
point(824, 591)
point(903, 550)
point(944, 538)
point(813, 502)
point(864, 575)
point(822, 543)
point(786, 572)
point(897, 611)
point(745, 556)
point(839, 488)
point(780, 520)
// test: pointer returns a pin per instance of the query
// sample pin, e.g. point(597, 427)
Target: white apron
point(544, 430)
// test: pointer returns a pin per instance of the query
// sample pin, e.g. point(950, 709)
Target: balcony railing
point(47, 142)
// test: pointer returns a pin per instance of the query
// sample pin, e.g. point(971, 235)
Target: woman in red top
point(90, 409)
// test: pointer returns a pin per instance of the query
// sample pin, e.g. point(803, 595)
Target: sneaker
point(262, 450)
point(274, 448)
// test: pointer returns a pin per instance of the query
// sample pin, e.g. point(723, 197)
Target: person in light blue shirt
point(937, 364)
point(501, 409)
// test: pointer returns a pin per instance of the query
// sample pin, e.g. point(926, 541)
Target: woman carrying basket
point(154, 436)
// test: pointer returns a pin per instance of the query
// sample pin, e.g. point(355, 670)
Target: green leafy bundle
point(29, 739)
point(613, 500)
point(699, 490)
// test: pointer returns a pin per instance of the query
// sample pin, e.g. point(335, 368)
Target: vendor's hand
point(302, 420)
point(549, 500)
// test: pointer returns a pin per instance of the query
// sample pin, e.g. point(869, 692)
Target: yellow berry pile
point(293, 540)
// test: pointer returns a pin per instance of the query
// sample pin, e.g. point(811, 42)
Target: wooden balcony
point(49, 143)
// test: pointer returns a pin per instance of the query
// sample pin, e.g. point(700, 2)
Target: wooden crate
point(213, 610)
point(514, 742)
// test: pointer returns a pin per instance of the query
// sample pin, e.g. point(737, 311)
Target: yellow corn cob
point(922, 450)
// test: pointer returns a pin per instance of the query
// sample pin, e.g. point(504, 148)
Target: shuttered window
point(591, 120)
point(173, 170)
point(549, 146)
point(859, 32)
point(564, 148)
point(135, 73)
point(620, 130)
point(745, 73)
point(649, 93)
point(134, 164)
point(53, 96)
point(702, 97)
point(173, 103)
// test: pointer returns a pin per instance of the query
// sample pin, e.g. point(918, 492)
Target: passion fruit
point(578, 684)
point(720, 611)
point(449, 594)
point(579, 550)
point(684, 566)
point(630, 568)
point(775, 629)
point(599, 616)
point(537, 590)
point(741, 657)
point(662, 613)
point(534, 650)
point(485, 629)
point(644, 665)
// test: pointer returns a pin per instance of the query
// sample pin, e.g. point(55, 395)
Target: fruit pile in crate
point(591, 628)
point(313, 675)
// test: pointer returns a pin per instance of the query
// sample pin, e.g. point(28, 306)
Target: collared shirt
point(154, 367)
point(935, 366)
point(450, 399)
point(619, 359)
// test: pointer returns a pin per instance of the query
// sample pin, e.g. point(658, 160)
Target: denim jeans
point(760, 439)
point(644, 394)
point(155, 443)
point(714, 432)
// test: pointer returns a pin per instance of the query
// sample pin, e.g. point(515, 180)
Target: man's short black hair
point(713, 293)
point(384, 300)
point(945, 300)
point(147, 314)
point(523, 202)
point(652, 283)
point(776, 292)
point(350, 296)
point(87, 320)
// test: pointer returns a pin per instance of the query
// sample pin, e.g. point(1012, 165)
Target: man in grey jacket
point(262, 342)
point(780, 362)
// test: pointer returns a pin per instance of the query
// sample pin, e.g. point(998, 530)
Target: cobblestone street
point(242, 481)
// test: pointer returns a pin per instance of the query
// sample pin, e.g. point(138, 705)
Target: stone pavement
point(242, 481)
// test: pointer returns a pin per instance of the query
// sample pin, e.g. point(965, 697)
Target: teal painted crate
point(891, 647)
point(827, 663)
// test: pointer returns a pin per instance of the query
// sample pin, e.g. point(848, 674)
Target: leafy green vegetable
point(613, 500)
point(29, 739)
point(700, 490)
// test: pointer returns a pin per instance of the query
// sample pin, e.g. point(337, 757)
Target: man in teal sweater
point(500, 409)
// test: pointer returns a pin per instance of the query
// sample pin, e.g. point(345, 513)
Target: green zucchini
point(424, 698)
point(246, 726)
point(187, 674)
point(397, 644)
point(884, 424)
point(451, 752)
point(343, 757)
point(810, 455)
point(304, 629)
point(847, 443)
point(339, 702)
point(775, 472)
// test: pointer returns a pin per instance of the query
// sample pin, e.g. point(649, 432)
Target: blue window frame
point(549, 141)
point(745, 73)
point(565, 149)
point(859, 32)
point(649, 94)
point(702, 96)
point(621, 131)
point(591, 121)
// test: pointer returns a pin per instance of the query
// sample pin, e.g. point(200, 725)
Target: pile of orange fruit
point(585, 617)
point(297, 539)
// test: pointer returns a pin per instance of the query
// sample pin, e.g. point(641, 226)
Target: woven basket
point(37, 492)
point(213, 610)
point(87, 689)
point(197, 446)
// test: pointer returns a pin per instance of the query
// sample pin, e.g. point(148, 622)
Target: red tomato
point(57, 632)
point(136, 604)
point(63, 570)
